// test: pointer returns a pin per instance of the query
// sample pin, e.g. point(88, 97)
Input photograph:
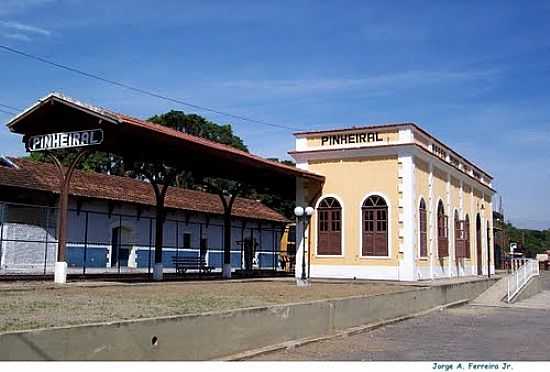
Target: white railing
point(522, 269)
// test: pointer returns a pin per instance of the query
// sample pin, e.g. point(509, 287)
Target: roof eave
point(54, 96)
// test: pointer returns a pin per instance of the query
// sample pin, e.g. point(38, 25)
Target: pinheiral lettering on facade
point(345, 139)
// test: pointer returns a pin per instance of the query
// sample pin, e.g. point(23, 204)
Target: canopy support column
point(227, 202)
point(160, 215)
point(65, 175)
point(160, 179)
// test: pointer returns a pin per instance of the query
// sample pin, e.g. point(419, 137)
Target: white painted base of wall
point(352, 271)
point(303, 283)
point(157, 271)
point(423, 273)
point(226, 272)
point(60, 273)
point(465, 269)
point(441, 271)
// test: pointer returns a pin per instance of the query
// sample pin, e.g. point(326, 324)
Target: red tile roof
point(34, 175)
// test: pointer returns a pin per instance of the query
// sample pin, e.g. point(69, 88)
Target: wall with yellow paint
point(350, 181)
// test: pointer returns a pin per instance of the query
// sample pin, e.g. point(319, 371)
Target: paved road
point(462, 333)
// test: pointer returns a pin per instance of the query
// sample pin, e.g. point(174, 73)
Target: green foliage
point(274, 200)
point(196, 125)
point(96, 161)
point(534, 241)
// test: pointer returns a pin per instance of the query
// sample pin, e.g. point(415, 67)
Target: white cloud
point(376, 84)
point(530, 137)
point(17, 6)
point(24, 28)
point(17, 36)
point(22, 32)
point(16, 30)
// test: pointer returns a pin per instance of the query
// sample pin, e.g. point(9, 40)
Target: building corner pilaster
point(407, 216)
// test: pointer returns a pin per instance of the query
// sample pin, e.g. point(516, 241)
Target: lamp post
point(303, 215)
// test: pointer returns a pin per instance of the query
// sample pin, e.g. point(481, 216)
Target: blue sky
point(475, 74)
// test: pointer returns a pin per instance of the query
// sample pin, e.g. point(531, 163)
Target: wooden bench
point(184, 263)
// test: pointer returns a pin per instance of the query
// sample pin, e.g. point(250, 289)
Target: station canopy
point(148, 142)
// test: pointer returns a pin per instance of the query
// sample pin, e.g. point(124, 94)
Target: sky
point(474, 74)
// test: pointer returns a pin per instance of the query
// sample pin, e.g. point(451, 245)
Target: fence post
point(242, 246)
point(223, 237)
point(1, 232)
point(177, 237)
point(508, 289)
point(200, 240)
point(150, 245)
point(119, 234)
point(47, 225)
point(85, 246)
point(273, 237)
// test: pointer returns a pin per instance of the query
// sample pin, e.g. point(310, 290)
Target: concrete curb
point(215, 335)
point(343, 333)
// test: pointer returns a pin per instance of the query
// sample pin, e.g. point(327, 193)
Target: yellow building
point(396, 204)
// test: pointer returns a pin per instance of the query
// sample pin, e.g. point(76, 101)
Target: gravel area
point(41, 305)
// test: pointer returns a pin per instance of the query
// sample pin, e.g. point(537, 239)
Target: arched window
point(329, 240)
point(423, 229)
point(467, 237)
point(442, 231)
point(459, 236)
point(375, 226)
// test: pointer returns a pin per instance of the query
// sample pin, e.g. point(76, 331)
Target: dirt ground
point(27, 306)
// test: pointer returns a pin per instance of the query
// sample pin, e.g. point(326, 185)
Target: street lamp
point(303, 214)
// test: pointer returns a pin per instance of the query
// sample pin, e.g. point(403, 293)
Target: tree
point(198, 126)
point(95, 161)
point(534, 241)
point(274, 200)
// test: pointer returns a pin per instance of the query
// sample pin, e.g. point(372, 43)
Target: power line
point(8, 112)
point(10, 107)
point(140, 90)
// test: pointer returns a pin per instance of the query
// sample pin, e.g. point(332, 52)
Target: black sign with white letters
point(66, 140)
